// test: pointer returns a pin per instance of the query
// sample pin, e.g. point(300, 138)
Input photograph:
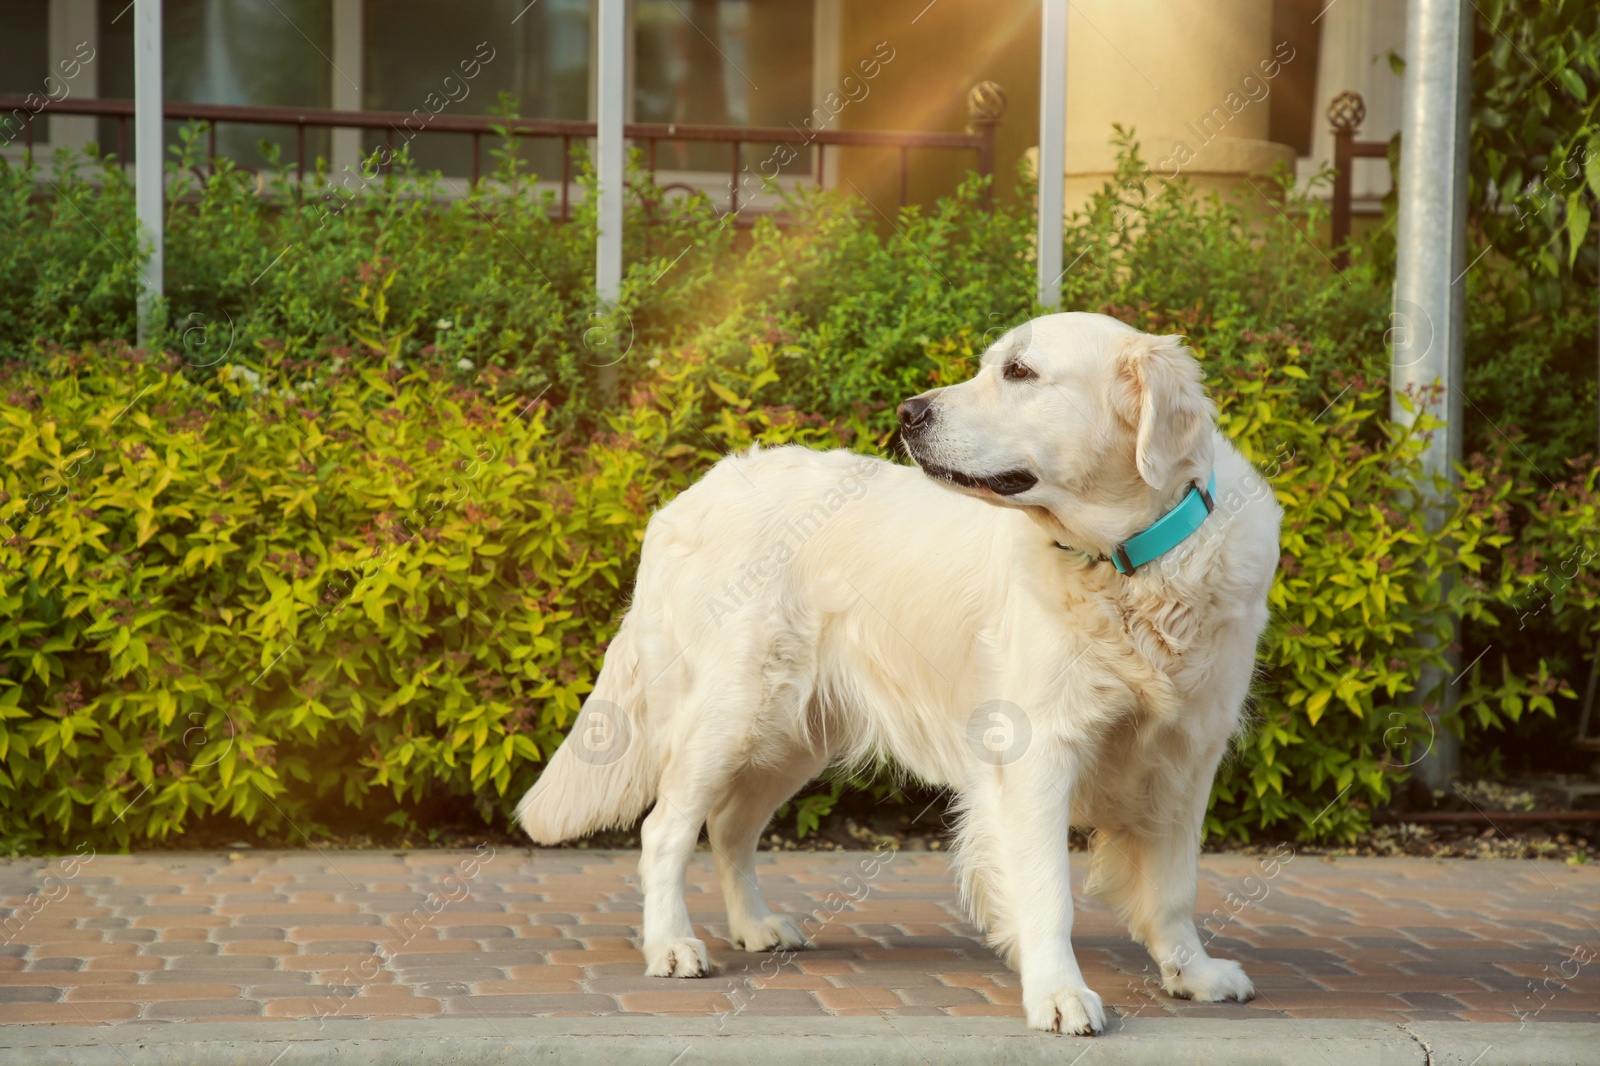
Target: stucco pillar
point(1191, 80)
point(347, 74)
point(74, 48)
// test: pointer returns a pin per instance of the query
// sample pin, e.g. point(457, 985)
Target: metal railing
point(985, 106)
point(1345, 114)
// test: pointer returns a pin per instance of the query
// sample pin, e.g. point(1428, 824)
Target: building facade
point(1215, 91)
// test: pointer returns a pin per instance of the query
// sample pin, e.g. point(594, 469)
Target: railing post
point(986, 105)
point(566, 173)
point(1345, 114)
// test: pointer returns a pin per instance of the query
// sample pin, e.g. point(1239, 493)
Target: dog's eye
point(1015, 371)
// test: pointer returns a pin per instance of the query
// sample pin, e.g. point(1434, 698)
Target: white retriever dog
point(798, 608)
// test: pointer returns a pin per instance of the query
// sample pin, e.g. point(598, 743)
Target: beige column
point(826, 70)
point(75, 63)
point(349, 75)
point(1192, 81)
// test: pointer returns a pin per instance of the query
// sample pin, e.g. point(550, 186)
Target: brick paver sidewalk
point(286, 935)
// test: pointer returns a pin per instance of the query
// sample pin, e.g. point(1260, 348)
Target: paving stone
point(186, 1010)
point(1382, 943)
point(136, 911)
point(939, 996)
point(529, 1005)
point(249, 932)
point(103, 923)
point(491, 932)
point(1433, 1001)
point(60, 964)
point(171, 950)
point(221, 962)
point(549, 943)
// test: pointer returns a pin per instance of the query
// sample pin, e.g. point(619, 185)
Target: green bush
point(349, 538)
point(280, 591)
point(1362, 606)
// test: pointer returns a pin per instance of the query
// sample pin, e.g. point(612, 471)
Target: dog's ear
point(1158, 391)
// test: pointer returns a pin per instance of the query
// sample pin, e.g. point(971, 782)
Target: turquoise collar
point(1169, 531)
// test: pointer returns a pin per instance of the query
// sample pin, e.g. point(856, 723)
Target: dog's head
point(1092, 426)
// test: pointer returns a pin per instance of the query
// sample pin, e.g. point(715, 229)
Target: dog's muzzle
point(916, 417)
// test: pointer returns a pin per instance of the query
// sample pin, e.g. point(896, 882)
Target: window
point(25, 62)
point(724, 63)
point(223, 52)
point(719, 62)
point(537, 54)
point(703, 62)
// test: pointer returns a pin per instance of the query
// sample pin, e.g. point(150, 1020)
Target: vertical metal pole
point(148, 151)
point(609, 153)
point(1427, 355)
point(1052, 148)
point(610, 111)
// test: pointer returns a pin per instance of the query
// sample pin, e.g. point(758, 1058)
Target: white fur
point(796, 608)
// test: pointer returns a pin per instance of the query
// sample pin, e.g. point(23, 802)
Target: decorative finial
point(986, 103)
point(1347, 111)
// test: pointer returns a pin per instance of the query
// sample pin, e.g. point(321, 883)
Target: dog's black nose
point(914, 412)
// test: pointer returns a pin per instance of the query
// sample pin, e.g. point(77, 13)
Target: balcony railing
point(985, 106)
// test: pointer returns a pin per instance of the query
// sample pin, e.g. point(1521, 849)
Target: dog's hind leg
point(699, 757)
point(735, 829)
point(667, 840)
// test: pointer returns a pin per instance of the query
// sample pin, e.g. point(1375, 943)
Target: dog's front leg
point(1033, 815)
point(1150, 874)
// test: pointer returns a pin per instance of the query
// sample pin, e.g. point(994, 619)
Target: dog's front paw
point(1209, 981)
point(768, 934)
point(1067, 1010)
point(676, 958)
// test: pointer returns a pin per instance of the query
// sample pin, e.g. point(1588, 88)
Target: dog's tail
point(603, 775)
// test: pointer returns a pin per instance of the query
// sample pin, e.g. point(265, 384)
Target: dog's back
point(774, 566)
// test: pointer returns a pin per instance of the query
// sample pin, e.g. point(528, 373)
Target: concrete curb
point(777, 1041)
point(1497, 1044)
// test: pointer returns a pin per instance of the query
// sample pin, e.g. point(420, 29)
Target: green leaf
point(1572, 81)
point(1316, 703)
point(1577, 225)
